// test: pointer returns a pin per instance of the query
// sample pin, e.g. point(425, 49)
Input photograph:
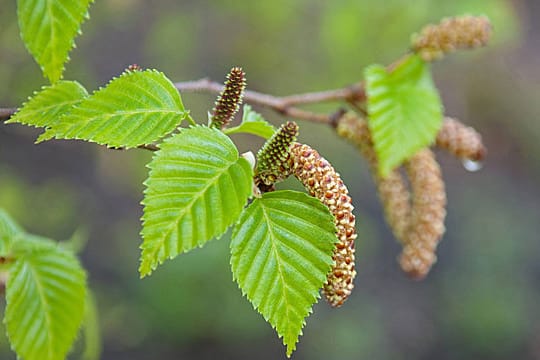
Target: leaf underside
point(281, 252)
point(48, 29)
point(137, 108)
point(45, 296)
point(252, 123)
point(197, 187)
point(405, 111)
point(46, 107)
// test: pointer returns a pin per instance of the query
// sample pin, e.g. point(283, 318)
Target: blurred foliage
point(48, 207)
point(479, 302)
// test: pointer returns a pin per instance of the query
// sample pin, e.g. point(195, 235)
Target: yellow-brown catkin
point(451, 34)
point(460, 140)
point(416, 220)
point(392, 190)
point(324, 183)
point(426, 225)
point(395, 198)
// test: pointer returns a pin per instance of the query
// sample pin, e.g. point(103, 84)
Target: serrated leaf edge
point(50, 134)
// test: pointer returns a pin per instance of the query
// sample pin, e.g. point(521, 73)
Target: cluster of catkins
point(414, 209)
point(416, 212)
point(282, 157)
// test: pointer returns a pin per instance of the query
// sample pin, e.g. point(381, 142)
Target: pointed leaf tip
point(49, 30)
point(47, 106)
point(281, 251)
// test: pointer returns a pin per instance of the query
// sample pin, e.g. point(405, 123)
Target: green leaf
point(137, 108)
point(405, 111)
point(197, 187)
point(252, 123)
point(45, 293)
point(281, 252)
point(48, 29)
point(46, 106)
point(45, 296)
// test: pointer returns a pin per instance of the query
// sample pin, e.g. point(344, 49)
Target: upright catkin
point(451, 34)
point(323, 182)
point(273, 158)
point(230, 98)
point(428, 211)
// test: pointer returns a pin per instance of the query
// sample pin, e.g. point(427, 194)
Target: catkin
point(428, 211)
point(323, 182)
point(392, 189)
point(230, 98)
point(134, 67)
point(273, 158)
point(451, 34)
point(461, 141)
point(416, 216)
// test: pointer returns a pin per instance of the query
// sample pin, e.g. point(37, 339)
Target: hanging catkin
point(428, 211)
point(416, 216)
point(461, 141)
point(324, 183)
point(392, 190)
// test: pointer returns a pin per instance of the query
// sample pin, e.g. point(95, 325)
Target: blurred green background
point(481, 299)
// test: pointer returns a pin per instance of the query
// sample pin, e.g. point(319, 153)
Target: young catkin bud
point(461, 141)
point(273, 158)
point(228, 102)
point(426, 225)
point(451, 34)
point(134, 67)
point(324, 183)
point(392, 190)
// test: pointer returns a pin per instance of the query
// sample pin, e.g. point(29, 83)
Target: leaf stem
point(190, 119)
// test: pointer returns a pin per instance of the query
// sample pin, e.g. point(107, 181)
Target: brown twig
point(285, 105)
point(282, 105)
